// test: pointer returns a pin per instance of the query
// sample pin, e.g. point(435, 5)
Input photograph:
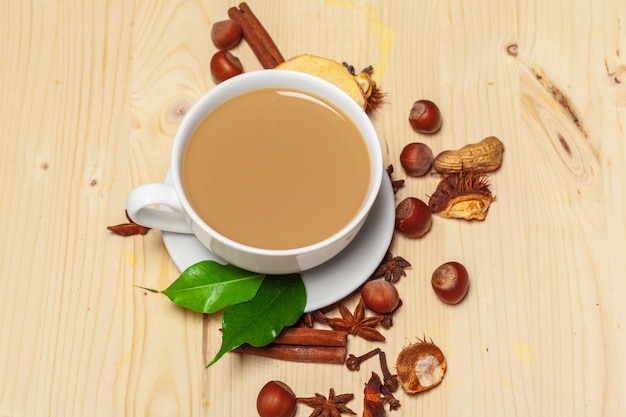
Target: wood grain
point(91, 94)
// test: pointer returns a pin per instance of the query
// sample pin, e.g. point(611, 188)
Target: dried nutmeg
point(462, 195)
point(420, 366)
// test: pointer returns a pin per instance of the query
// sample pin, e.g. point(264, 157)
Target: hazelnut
point(276, 399)
point(226, 34)
point(225, 65)
point(380, 296)
point(425, 117)
point(416, 159)
point(450, 282)
point(413, 217)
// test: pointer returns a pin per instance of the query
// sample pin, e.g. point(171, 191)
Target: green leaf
point(207, 286)
point(280, 302)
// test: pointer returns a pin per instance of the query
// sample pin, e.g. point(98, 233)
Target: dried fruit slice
point(360, 87)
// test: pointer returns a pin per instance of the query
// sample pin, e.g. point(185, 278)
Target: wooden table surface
point(91, 94)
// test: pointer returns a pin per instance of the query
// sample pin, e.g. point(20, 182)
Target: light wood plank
point(92, 94)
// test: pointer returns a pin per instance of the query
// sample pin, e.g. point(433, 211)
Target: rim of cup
point(277, 78)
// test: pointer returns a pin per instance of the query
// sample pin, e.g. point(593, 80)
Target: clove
point(388, 398)
point(353, 362)
point(389, 380)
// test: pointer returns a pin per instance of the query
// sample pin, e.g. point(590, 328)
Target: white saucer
point(326, 283)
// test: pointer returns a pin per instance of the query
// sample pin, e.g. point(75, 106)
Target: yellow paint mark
point(520, 279)
point(506, 383)
point(165, 269)
point(131, 258)
point(524, 352)
point(140, 333)
point(384, 34)
point(166, 266)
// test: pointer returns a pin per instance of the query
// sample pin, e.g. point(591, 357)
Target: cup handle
point(140, 206)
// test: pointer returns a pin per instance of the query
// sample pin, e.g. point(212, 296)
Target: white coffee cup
point(175, 213)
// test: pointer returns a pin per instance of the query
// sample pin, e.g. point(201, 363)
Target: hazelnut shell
point(425, 358)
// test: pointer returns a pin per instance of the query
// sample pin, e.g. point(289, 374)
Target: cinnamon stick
point(304, 336)
point(292, 353)
point(263, 34)
point(257, 37)
point(303, 344)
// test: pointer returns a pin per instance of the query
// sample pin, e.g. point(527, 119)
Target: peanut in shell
point(483, 156)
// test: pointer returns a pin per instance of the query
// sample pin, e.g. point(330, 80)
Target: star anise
point(372, 402)
point(357, 324)
point(129, 229)
point(331, 407)
point(391, 268)
point(395, 184)
point(387, 322)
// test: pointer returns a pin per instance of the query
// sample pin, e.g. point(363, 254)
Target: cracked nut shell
point(420, 366)
point(463, 195)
